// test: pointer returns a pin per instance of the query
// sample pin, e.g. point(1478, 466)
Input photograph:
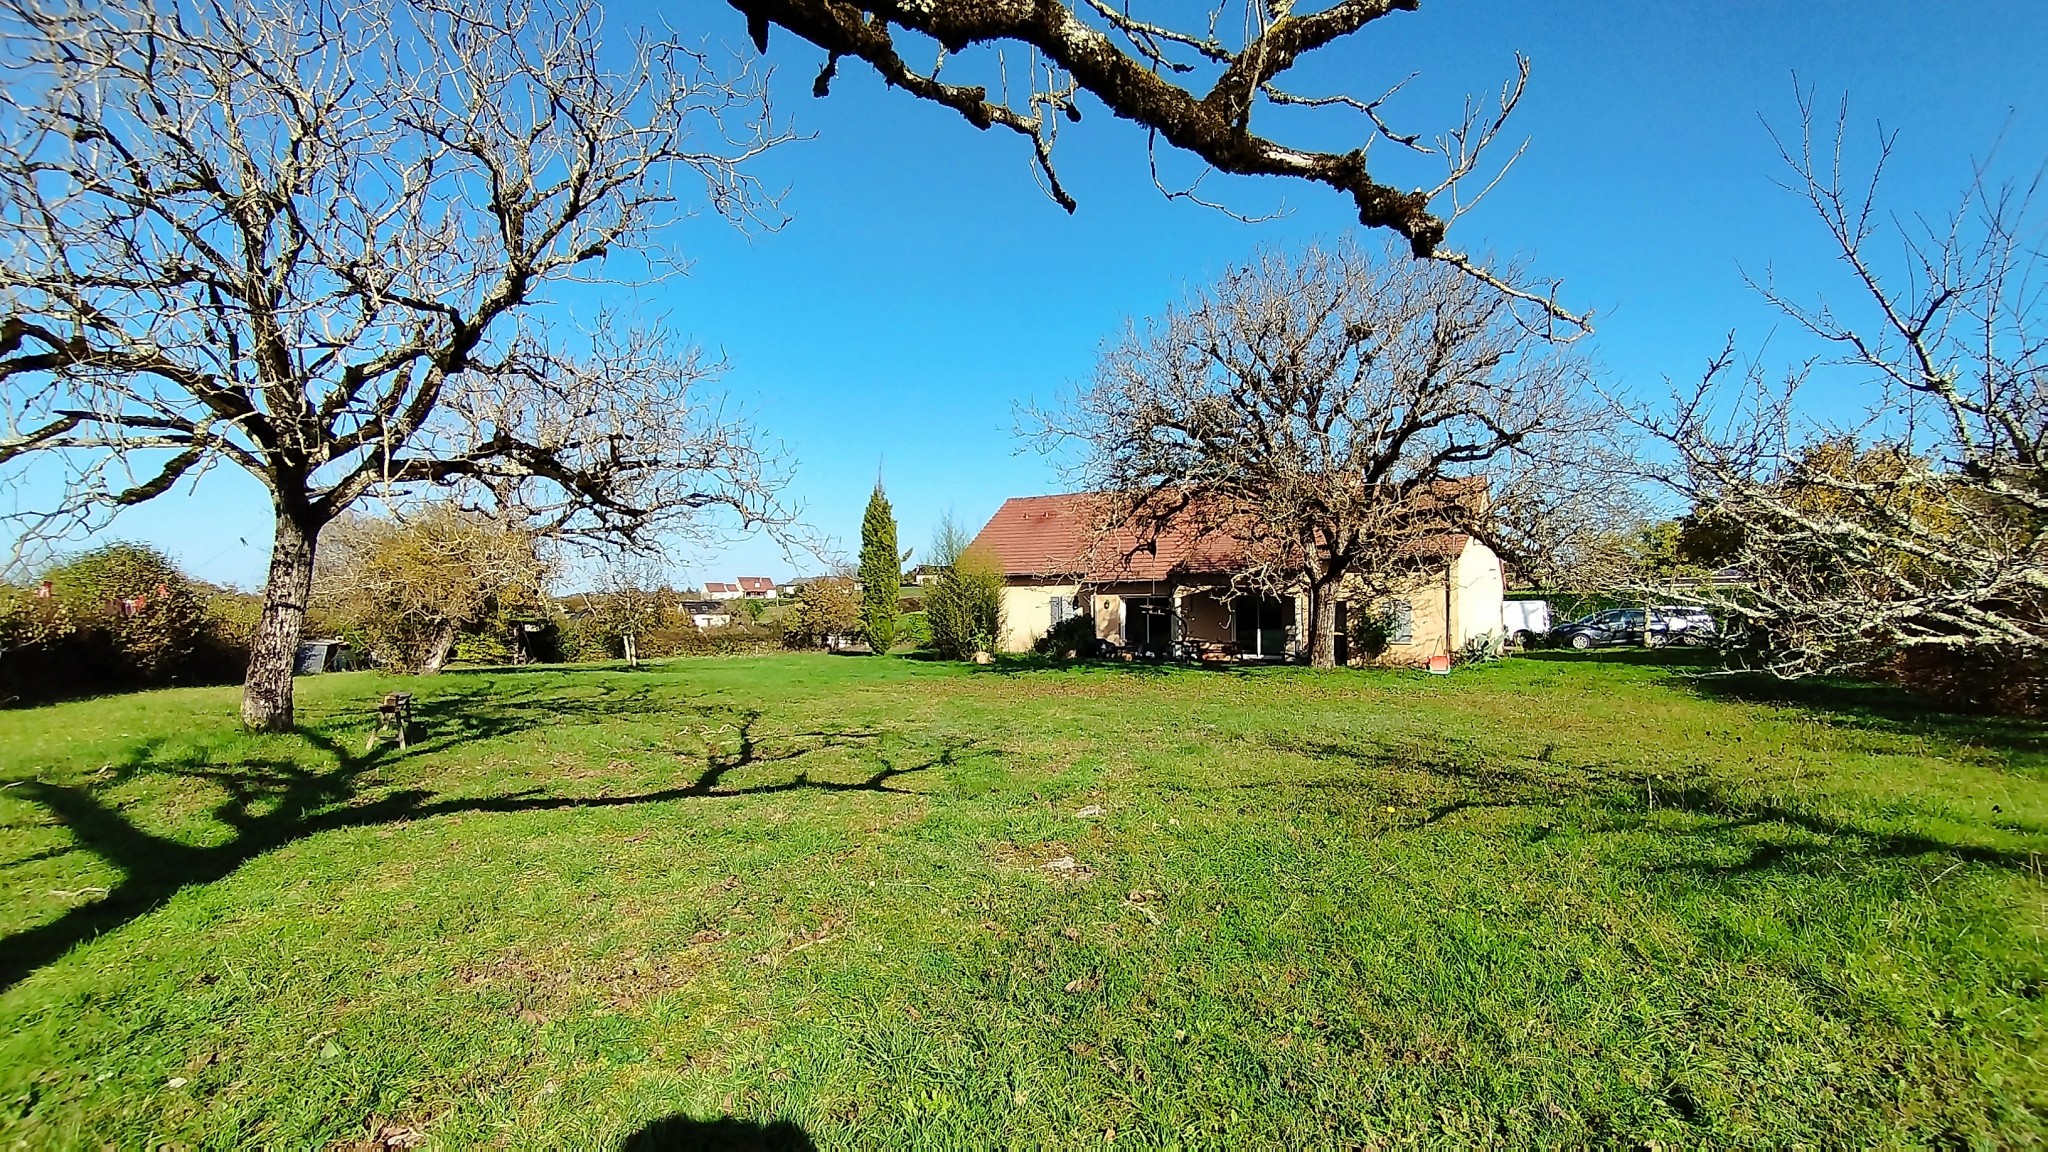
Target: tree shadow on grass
point(1859, 703)
point(680, 1133)
point(1878, 707)
point(269, 803)
point(1457, 780)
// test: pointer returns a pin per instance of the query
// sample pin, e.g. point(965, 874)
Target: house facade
point(1173, 590)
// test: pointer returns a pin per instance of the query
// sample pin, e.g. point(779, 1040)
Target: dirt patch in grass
point(1052, 860)
point(541, 988)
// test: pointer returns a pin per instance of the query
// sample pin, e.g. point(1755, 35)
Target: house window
point(1403, 631)
point(1148, 623)
point(1062, 608)
point(1261, 624)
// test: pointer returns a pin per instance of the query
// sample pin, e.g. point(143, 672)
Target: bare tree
point(949, 539)
point(1191, 75)
point(410, 585)
point(1903, 508)
point(1330, 415)
point(1568, 513)
point(823, 613)
point(627, 600)
point(296, 237)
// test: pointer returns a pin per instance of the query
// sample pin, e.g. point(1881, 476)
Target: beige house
point(1171, 591)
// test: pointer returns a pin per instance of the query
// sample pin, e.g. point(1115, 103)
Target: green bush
point(485, 646)
point(145, 605)
point(913, 630)
point(823, 611)
point(736, 639)
point(225, 636)
point(1483, 647)
point(965, 608)
point(1372, 631)
point(117, 618)
point(580, 639)
point(1074, 634)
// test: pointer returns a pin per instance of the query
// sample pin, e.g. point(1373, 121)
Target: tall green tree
point(881, 572)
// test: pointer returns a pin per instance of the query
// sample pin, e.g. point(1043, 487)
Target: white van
point(1524, 622)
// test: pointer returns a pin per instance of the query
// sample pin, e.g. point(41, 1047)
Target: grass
point(889, 903)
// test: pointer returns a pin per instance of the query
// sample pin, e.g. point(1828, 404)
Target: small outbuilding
point(317, 656)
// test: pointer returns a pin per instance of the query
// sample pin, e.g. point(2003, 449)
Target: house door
point(1148, 623)
point(1262, 625)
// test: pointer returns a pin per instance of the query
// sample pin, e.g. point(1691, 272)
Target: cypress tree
point(881, 572)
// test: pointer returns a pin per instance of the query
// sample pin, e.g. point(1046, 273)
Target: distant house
point(924, 574)
point(706, 613)
point(757, 588)
point(1155, 590)
point(718, 590)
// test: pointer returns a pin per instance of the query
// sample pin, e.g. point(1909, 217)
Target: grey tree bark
point(273, 655)
point(1322, 615)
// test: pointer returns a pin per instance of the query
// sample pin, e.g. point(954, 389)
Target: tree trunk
point(437, 656)
point(1322, 624)
point(267, 691)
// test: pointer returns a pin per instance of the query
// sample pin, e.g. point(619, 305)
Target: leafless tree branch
point(1912, 516)
point(1178, 71)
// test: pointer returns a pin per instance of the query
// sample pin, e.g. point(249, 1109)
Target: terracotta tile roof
point(1446, 545)
point(756, 584)
point(1056, 536)
point(714, 587)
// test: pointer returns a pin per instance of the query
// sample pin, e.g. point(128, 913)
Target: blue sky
point(926, 286)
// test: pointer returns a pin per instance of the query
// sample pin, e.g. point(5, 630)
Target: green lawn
point(889, 903)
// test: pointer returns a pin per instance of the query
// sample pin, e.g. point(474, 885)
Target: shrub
point(821, 611)
point(1074, 634)
point(1483, 647)
point(226, 632)
point(913, 629)
point(581, 639)
point(2010, 683)
point(1372, 631)
point(138, 597)
point(415, 589)
point(485, 646)
point(117, 618)
point(965, 608)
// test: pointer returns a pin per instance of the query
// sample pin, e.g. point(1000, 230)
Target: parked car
point(1667, 624)
point(1682, 624)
